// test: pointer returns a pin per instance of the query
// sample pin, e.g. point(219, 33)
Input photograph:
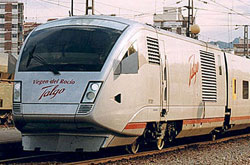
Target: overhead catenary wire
point(133, 13)
point(66, 6)
point(244, 3)
point(46, 7)
point(56, 2)
point(53, 3)
point(230, 9)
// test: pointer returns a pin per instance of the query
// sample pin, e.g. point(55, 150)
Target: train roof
point(118, 23)
point(102, 17)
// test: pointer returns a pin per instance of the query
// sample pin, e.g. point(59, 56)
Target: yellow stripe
point(234, 89)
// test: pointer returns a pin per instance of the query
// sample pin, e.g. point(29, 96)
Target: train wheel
point(170, 139)
point(160, 144)
point(213, 137)
point(133, 148)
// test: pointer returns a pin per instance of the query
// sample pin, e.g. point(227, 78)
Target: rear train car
point(6, 98)
point(92, 82)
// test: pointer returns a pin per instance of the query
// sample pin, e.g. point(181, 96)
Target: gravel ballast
point(230, 152)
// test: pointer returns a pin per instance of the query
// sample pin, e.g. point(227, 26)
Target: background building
point(171, 20)
point(11, 32)
point(239, 48)
point(28, 27)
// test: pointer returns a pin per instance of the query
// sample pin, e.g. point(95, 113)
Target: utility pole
point(190, 8)
point(89, 6)
point(246, 40)
point(72, 7)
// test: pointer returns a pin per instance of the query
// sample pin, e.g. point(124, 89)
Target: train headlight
point(17, 92)
point(94, 87)
point(91, 92)
point(90, 96)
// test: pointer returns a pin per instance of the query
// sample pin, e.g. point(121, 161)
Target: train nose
point(45, 117)
point(54, 118)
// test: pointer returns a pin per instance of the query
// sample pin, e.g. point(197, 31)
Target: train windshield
point(68, 48)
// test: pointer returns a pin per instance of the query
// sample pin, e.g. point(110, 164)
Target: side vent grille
point(83, 109)
point(17, 108)
point(208, 71)
point(153, 50)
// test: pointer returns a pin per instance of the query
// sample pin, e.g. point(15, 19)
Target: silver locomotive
point(91, 82)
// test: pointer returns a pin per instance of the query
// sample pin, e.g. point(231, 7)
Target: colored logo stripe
point(196, 121)
point(135, 126)
point(240, 118)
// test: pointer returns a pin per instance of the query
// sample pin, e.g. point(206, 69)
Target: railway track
point(154, 152)
point(27, 158)
point(109, 156)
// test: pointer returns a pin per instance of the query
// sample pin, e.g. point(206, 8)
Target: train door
point(164, 78)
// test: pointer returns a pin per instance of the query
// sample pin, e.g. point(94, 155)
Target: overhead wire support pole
point(89, 7)
point(188, 24)
point(190, 16)
point(72, 6)
point(246, 46)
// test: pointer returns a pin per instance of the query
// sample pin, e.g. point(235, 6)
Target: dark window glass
point(2, 6)
point(123, 66)
point(165, 94)
point(245, 90)
point(14, 35)
point(69, 48)
point(165, 73)
point(14, 25)
point(14, 6)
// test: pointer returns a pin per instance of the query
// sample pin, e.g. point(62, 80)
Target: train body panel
point(238, 93)
point(188, 85)
point(120, 92)
point(149, 83)
point(187, 62)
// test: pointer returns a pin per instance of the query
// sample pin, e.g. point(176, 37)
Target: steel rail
point(27, 158)
point(155, 152)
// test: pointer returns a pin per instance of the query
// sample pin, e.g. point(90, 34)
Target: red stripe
point(240, 118)
point(210, 120)
point(135, 125)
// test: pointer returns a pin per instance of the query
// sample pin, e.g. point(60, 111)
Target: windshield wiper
point(41, 61)
point(30, 56)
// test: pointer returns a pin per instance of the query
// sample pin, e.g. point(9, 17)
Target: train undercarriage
point(160, 134)
point(157, 135)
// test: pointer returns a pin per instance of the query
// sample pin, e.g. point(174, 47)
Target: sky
point(218, 19)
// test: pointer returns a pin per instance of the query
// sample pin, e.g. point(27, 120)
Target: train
point(6, 97)
point(7, 69)
point(85, 83)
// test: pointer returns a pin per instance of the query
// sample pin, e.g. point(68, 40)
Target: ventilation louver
point(153, 50)
point(208, 71)
point(17, 108)
point(83, 109)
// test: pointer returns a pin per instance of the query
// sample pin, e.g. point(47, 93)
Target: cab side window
point(129, 63)
point(245, 89)
point(131, 50)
